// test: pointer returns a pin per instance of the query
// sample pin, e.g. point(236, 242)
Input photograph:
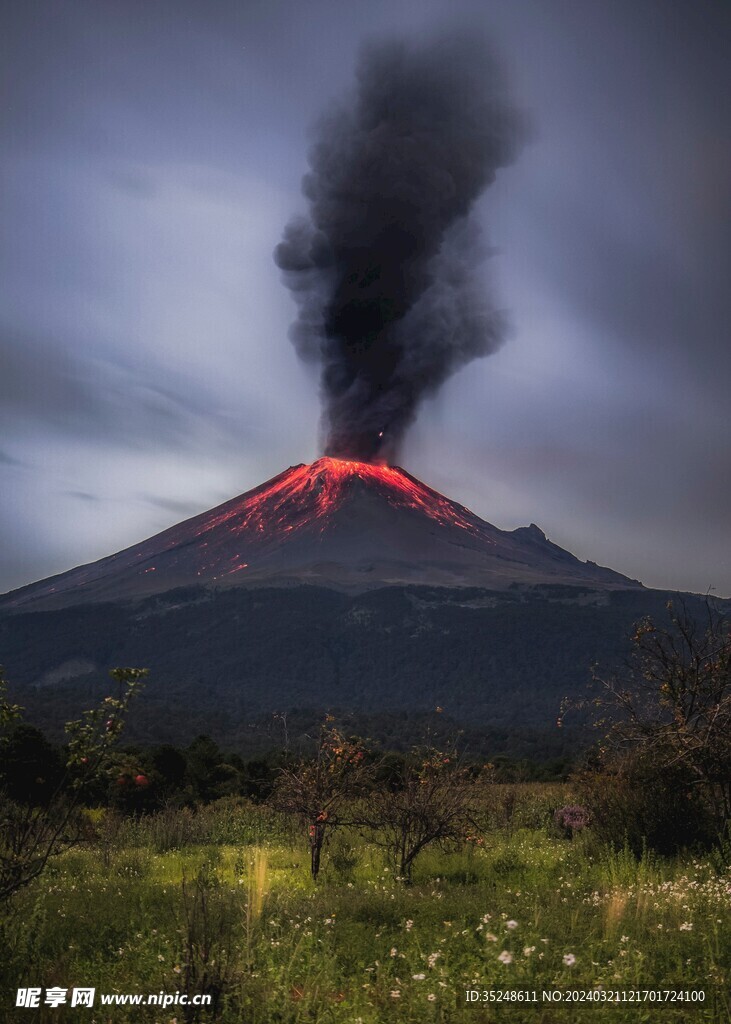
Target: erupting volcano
point(337, 523)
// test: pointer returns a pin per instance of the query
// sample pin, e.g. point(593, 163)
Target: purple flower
point(571, 819)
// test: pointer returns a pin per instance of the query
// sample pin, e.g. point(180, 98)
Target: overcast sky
point(151, 154)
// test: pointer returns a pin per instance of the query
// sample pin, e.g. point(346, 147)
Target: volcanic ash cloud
point(384, 266)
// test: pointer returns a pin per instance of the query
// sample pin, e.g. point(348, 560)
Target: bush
point(33, 829)
point(662, 774)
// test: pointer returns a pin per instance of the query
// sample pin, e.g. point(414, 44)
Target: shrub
point(662, 773)
point(32, 833)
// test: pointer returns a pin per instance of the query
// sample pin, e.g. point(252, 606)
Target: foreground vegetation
point(364, 886)
point(220, 900)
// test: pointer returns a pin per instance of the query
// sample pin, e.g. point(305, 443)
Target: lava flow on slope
point(337, 523)
point(312, 495)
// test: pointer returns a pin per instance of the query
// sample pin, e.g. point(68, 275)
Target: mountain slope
point(349, 525)
point(223, 661)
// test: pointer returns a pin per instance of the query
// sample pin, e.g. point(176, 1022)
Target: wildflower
point(571, 819)
point(505, 957)
point(431, 997)
point(511, 925)
point(432, 958)
point(490, 937)
point(686, 926)
point(395, 994)
point(409, 925)
point(418, 977)
point(569, 959)
point(528, 950)
point(394, 951)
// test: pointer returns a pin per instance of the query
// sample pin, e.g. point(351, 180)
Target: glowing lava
point(335, 522)
point(309, 495)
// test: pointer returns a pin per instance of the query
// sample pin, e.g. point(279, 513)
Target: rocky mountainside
point(352, 526)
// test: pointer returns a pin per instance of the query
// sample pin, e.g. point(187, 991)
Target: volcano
point(336, 523)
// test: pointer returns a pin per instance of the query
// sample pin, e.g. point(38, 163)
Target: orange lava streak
point(308, 494)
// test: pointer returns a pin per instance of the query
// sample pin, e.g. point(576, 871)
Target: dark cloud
point(384, 269)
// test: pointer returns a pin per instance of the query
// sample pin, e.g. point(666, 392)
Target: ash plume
point(383, 268)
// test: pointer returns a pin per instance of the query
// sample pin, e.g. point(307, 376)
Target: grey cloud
point(98, 399)
point(184, 509)
point(83, 496)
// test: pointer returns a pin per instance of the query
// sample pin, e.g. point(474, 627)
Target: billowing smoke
point(383, 268)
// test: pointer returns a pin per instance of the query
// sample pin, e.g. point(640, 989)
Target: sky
point(151, 154)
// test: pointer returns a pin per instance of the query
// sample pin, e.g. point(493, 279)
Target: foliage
point(662, 773)
point(209, 931)
point(431, 799)
point(571, 819)
point(525, 911)
point(30, 767)
point(33, 830)
point(316, 790)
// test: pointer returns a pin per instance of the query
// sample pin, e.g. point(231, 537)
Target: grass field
point(220, 900)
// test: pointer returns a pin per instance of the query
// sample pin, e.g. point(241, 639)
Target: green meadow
point(219, 900)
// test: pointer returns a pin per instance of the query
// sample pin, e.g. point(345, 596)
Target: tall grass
point(168, 905)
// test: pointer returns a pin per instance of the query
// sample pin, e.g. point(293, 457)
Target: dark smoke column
point(383, 267)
